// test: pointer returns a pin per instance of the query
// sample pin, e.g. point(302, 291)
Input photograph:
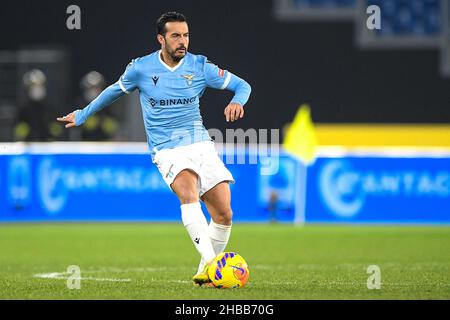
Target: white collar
point(172, 69)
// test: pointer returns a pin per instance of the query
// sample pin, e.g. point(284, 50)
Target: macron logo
point(197, 240)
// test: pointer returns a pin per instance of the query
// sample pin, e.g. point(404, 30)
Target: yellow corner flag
point(300, 139)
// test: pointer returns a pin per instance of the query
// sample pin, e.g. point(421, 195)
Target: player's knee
point(224, 216)
point(185, 186)
point(188, 196)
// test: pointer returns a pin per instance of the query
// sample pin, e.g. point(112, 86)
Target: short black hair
point(168, 17)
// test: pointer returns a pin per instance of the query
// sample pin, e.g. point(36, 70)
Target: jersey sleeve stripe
point(227, 81)
point(122, 87)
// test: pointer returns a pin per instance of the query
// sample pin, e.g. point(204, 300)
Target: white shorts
point(200, 157)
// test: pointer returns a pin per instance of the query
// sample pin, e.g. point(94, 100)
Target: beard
point(177, 55)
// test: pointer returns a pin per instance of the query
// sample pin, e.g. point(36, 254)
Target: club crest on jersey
point(188, 78)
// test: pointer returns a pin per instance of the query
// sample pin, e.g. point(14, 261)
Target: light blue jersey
point(170, 97)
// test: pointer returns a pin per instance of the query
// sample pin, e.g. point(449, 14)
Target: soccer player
point(171, 82)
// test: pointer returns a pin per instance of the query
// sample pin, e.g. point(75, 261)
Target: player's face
point(176, 40)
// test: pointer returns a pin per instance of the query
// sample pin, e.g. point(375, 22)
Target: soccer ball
point(228, 270)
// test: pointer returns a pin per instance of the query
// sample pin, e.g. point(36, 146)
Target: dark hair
point(168, 17)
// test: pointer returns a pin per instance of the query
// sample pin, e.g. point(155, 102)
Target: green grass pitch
point(157, 261)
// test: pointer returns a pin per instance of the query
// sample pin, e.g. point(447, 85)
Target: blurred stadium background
point(374, 122)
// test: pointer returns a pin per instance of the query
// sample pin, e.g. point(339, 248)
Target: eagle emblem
point(188, 78)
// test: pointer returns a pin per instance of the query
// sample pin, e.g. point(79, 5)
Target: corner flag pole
point(301, 185)
point(301, 141)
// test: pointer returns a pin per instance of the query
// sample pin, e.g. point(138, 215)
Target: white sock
point(196, 225)
point(219, 235)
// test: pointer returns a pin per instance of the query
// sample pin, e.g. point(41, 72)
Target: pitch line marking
point(65, 276)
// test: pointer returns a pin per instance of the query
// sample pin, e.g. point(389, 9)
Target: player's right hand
point(70, 118)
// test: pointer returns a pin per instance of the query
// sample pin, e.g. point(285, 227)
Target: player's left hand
point(233, 112)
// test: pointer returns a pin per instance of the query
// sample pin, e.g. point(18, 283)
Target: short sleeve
point(216, 77)
point(129, 79)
